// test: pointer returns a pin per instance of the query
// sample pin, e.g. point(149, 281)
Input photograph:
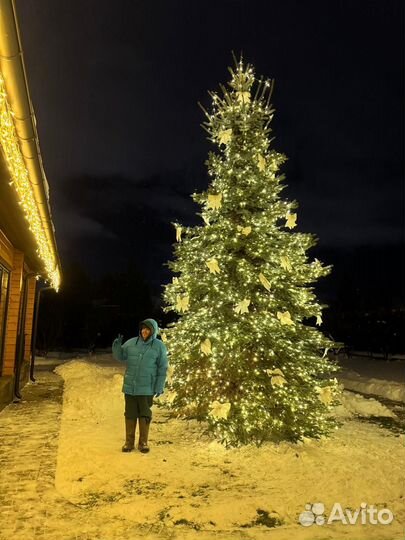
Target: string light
point(20, 181)
point(245, 345)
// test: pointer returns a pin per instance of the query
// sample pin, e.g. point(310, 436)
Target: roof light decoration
point(20, 181)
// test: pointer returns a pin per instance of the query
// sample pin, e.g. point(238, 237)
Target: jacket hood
point(153, 325)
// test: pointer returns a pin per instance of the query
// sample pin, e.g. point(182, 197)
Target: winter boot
point(143, 434)
point(130, 427)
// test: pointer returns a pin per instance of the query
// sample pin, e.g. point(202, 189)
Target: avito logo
point(315, 514)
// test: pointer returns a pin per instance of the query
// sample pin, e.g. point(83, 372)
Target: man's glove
point(158, 394)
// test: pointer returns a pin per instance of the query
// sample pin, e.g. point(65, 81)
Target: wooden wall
point(13, 259)
point(12, 313)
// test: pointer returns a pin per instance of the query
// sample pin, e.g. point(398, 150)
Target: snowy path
point(62, 475)
point(31, 508)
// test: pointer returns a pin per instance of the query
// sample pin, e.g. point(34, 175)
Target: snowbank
point(356, 405)
point(190, 481)
point(370, 376)
point(388, 389)
point(92, 391)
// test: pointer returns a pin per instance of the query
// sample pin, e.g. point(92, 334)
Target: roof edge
point(15, 80)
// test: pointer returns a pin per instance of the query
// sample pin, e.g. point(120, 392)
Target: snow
point(355, 404)
point(379, 387)
point(191, 483)
point(369, 376)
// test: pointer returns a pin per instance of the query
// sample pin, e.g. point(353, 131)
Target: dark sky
point(115, 87)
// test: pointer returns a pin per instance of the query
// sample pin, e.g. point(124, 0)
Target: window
point(4, 287)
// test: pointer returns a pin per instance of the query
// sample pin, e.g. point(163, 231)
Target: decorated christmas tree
point(244, 356)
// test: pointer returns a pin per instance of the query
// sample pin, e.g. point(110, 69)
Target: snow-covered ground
point(192, 483)
point(376, 377)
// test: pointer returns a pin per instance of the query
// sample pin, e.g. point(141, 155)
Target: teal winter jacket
point(146, 362)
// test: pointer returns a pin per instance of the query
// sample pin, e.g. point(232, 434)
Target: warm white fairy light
point(22, 185)
point(237, 326)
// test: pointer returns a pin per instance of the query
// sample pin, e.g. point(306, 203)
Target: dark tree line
point(365, 294)
point(88, 313)
point(367, 298)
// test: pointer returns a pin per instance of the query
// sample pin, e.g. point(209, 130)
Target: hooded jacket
point(146, 362)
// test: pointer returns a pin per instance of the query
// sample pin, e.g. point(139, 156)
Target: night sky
point(115, 87)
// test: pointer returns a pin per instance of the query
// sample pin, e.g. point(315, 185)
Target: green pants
point(137, 406)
